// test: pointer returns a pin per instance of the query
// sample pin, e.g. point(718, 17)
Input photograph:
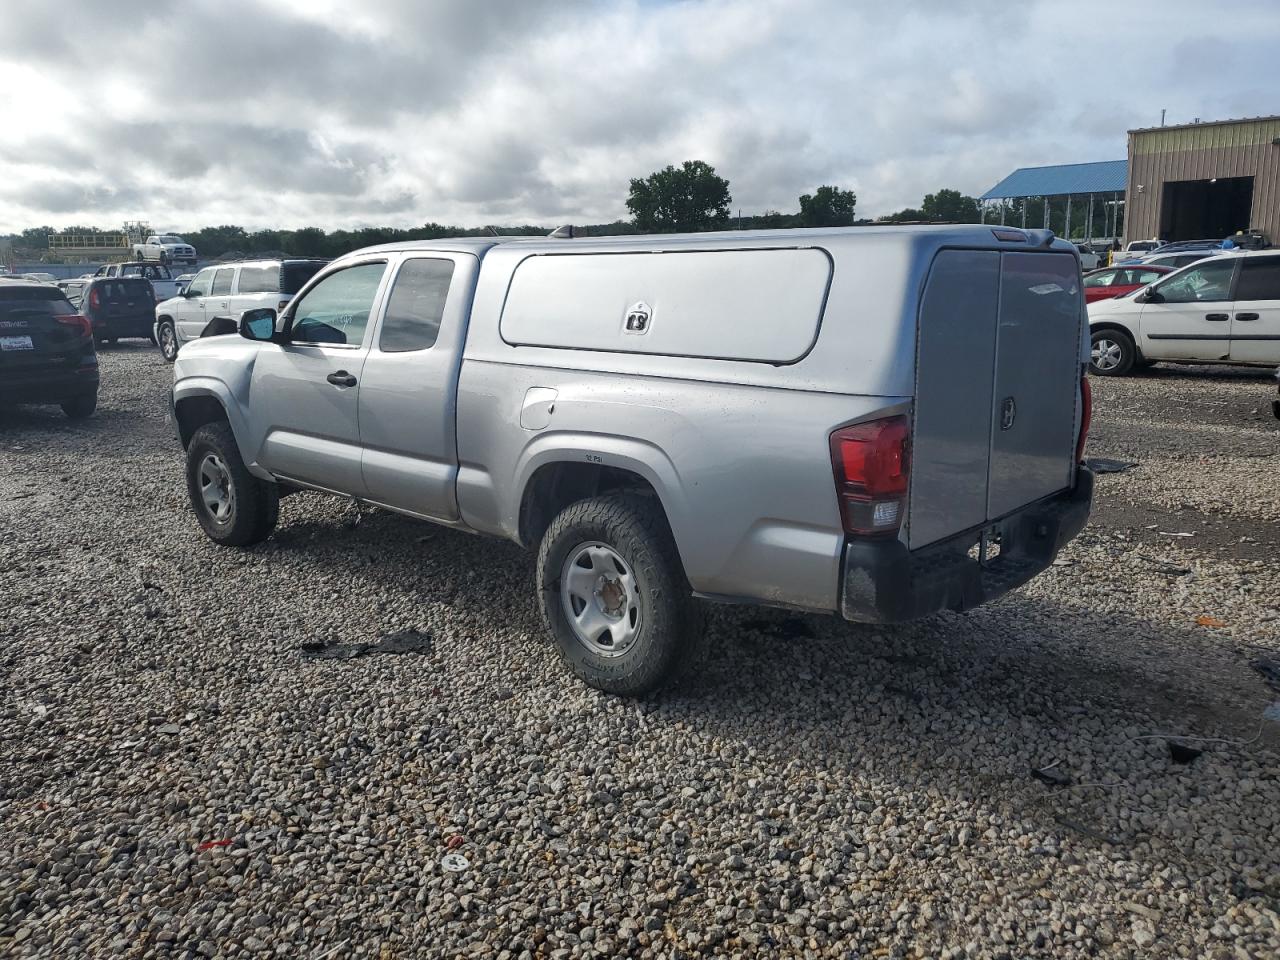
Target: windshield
point(169, 238)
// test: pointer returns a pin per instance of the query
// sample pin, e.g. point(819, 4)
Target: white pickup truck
point(166, 248)
point(163, 282)
point(878, 423)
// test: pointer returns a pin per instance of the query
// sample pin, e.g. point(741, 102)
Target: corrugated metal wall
point(1242, 149)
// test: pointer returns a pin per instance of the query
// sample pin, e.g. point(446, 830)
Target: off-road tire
point(81, 406)
point(672, 631)
point(256, 503)
point(1119, 357)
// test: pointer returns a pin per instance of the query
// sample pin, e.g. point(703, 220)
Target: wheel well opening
point(1105, 327)
point(192, 413)
point(555, 486)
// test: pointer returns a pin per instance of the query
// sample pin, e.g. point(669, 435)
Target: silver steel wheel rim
point(601, 599)
point(167, 344)
point(216, 492)
point(1106, 354)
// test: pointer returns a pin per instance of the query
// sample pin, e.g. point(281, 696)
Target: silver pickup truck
point(879, 422)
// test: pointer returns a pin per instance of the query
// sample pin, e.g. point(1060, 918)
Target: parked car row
point(1223, 309)
point(47, 352)
point(217, 295)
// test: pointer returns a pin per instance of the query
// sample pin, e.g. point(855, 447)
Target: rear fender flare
point(625, 453)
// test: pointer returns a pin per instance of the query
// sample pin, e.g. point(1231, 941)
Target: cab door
point(188, 319)
point(1189, 316)
point(219, 302)
point(408, 393)
point(304, 422)
point(1255, 321)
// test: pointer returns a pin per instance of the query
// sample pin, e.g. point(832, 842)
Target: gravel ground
point(178, 778)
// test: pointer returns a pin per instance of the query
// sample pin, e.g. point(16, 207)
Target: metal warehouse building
point(1204, 180)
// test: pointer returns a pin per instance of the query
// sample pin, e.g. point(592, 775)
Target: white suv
point(217, 295)
point(1224, 309)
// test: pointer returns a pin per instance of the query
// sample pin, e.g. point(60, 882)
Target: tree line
point(688, 198)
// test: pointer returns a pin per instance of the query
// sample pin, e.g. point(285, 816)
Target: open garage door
point(1205, 209)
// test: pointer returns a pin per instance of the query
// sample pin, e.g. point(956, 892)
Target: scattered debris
point(1164, 566)
point(1181, 753)
point(1107, 465)
point(18, 496)
point(455, 841)
point(1166, 533)
point(454, 862)
point(172, 729)
point(1142, 911)
point(1270, 670)
point(213, 844)
point(402, 641)
point(1272, 712)
point(1051, 776)
point(1205, 620)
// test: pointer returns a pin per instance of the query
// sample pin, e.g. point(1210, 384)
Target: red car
point(1117, 281)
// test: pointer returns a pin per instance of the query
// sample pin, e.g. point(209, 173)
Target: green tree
point(909, 215)
point(680, 200)
point(950, 205)
point(827, 207)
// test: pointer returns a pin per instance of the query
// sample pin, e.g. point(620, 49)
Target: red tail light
point(1086, 415)
point(872, 464)
point(95, 300)
point(78, 320)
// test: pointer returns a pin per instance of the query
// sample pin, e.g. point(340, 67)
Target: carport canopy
point(1088, 181)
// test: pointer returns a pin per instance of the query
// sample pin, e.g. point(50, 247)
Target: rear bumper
point(51, 386)
point(139, 326)
point(884, 582)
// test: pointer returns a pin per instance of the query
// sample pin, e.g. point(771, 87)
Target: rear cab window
point(416, 305)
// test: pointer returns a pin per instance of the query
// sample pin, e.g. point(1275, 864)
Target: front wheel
point(168, 341)
point(1112, 353)
point(614, 595)
point(234, 507)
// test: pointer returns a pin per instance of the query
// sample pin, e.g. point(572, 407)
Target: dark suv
point(46, 349)
point(119, 307)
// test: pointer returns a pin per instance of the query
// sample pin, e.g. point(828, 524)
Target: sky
point(334, 113)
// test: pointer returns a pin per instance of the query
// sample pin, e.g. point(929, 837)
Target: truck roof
point(980, 235)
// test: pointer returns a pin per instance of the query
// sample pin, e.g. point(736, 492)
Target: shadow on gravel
point(999, 657)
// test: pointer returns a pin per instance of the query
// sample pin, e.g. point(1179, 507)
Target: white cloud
point(324, 112)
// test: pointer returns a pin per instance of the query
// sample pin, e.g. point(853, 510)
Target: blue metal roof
point(1106, 177)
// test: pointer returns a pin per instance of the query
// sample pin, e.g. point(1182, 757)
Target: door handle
point(1216, 316)
point(341, 379)
point(1246, 316)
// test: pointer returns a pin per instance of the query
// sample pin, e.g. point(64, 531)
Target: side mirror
point(258, 324)
point(1150, 295)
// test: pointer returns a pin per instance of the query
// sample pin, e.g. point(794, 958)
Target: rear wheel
point(614, 595)
point(1112, 353)
point(168, 340)
point(81, 406)
point(233, 506)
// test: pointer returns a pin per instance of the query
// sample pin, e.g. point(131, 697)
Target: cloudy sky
point(339, 113)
